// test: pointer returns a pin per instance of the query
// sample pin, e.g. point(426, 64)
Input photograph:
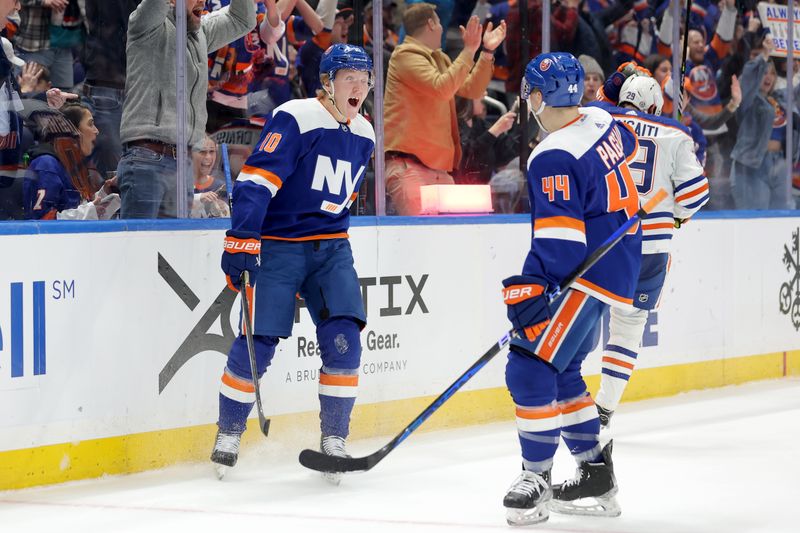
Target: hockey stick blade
point(321, 462)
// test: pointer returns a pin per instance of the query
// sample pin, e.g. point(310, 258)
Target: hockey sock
point(237, 393)
point(580, 427)
point(337, 395)
point(538, 430)
point(618, 364)
point(619, 357)
point(340, 346)
point(532, 384)
point(236, 398)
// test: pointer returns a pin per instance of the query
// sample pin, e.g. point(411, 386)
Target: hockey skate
point(226, 452)
point(333, 445)
point(591, 492)
point(605, 416)
point(527, 499)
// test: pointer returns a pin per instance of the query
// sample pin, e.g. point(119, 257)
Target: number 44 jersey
point(581, 191)
point(666, 160)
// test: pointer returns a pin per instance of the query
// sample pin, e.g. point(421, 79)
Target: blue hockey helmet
point(345, 56)
point(559, 77)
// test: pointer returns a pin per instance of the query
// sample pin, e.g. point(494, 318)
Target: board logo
point(790, 290)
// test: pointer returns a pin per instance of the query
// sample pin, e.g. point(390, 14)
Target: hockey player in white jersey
point(666, 159)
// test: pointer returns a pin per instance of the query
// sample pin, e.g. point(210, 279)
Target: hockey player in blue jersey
point(289, 223)
point(581, 191)
point(666, 160)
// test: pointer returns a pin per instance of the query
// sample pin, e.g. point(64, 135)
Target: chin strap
point(333, 100)
point(536, 114)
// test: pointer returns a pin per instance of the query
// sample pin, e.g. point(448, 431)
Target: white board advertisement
point(107, 334)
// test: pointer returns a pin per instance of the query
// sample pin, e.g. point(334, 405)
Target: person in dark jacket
point(485, 147)
point(105, 59)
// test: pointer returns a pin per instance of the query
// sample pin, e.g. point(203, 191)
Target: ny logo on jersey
point(325, 173)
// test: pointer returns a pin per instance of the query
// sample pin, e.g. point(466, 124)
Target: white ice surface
point(725, 460)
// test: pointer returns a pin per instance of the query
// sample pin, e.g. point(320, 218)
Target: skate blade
point(527, 517)
point(605, 505)
point(220, 471)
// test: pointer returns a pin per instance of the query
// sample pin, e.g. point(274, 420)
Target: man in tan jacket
point(421, 140)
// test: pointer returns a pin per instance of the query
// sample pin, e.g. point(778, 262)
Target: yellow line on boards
point(139, 452)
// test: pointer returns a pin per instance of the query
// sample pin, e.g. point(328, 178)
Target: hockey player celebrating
point(289, 225)
point(581, 191)
point(667, 160)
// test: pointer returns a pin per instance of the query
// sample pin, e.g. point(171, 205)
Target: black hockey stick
point(263, 422)
point(680, 92)
point(244, 283)
point(327, 463)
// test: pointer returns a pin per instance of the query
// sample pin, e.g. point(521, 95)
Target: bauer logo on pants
point(790, 289)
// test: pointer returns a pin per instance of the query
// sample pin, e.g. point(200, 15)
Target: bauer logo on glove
point(242, 251)
point(527, 304)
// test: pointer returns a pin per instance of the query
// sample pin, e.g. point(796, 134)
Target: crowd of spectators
point(89, 127)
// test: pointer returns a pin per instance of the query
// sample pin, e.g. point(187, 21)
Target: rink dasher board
point(104, 337)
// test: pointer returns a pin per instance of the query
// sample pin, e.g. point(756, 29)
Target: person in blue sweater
point(57, 175)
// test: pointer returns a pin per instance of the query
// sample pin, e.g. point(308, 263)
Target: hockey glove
point(527, 304)
point(242, 252)
point(609, 92)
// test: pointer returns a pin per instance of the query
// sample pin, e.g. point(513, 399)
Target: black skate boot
point(226, 451)
point(526, 500)
point(591, 491)
point(605, 416)
point(333, 445)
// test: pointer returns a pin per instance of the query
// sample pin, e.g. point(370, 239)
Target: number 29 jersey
point(666, 160)
point(581, 191)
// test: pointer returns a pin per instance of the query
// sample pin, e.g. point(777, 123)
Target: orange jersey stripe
point(537, 413)
point(266, 174)
point(338, 380)
point(604, 292)
point(559, 323)
point(309, 238)
point(238, 384)
point(617, 362)
point(665, 225)
point(560, 222)
point(690, 194)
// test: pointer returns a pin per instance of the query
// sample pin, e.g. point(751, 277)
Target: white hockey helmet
point(644, 93)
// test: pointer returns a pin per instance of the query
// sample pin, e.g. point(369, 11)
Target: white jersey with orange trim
point(581, 191)
point(666, 160)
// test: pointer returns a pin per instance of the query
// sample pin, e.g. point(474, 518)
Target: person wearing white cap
point(594, 78)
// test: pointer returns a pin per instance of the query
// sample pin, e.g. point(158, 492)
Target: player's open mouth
point(353, 101)
point(197, 12)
